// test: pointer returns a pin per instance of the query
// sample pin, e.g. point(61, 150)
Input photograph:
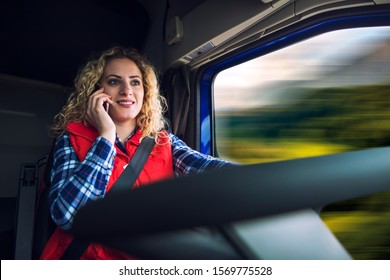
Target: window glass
point(328, 94)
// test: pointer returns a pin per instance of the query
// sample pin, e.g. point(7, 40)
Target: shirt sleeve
point(189, 161)
point(74, 183)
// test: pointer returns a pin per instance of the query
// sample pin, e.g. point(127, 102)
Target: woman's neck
point(124, 131)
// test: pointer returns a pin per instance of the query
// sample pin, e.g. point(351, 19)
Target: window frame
point(300, 31)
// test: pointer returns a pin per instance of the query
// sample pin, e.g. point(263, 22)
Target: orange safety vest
point(157, 167)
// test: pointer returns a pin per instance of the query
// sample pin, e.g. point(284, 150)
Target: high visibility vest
point(157, 167)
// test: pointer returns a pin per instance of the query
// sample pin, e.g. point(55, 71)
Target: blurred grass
point(247, 151)
point(364, 234)
point(362, 225)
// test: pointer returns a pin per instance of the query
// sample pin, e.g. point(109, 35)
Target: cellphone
point(97, 86)
point(105, 106)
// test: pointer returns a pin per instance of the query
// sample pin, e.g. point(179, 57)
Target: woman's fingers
point(97, 116)
point(97, 99)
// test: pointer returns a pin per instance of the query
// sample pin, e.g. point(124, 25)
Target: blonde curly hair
point(150, 119)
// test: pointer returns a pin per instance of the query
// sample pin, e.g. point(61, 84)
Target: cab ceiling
point(48, 40)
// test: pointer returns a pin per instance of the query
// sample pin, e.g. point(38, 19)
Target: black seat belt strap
point(127, 179)
point(134, 168)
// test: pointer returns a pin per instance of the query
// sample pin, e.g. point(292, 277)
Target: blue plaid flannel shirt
point(74, 183)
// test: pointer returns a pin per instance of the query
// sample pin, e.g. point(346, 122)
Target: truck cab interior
point(194, 44)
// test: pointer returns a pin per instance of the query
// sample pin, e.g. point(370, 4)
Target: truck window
point(328, 94)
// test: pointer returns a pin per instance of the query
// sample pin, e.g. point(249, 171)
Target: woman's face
point(122, 80)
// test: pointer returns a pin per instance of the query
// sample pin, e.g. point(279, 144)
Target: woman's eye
point(135, 83)
point(113, 82)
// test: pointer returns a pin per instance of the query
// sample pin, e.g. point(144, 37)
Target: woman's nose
point(126, 88)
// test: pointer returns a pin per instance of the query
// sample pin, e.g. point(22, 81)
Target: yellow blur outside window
point(328, 94)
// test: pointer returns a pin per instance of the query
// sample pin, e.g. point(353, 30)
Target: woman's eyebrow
point(118, 76)
point(113, 75)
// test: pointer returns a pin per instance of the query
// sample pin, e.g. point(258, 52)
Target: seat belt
point(134, 168)
point(128, 177)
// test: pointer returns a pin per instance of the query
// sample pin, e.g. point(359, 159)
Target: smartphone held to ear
point(105, 106)
point(97, 86)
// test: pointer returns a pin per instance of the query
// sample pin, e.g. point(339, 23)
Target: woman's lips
point(126, 103)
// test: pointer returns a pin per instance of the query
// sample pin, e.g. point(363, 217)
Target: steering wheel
point(171, 209)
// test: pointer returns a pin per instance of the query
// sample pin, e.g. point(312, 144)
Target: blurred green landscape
point(312, 122)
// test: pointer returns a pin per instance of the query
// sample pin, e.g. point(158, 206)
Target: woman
point(116, 102)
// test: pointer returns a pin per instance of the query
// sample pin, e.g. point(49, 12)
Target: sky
point(302, 61)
